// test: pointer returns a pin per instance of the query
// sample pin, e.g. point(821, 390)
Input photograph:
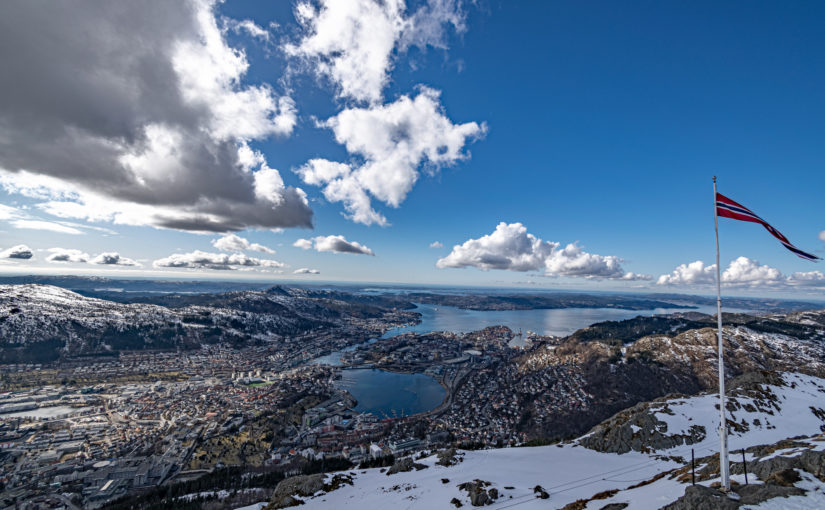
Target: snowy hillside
point(764, 415)
point(40, 322)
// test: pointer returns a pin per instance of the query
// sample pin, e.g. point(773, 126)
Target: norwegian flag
point(727, 208)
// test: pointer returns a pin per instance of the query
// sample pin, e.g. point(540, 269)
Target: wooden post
point(692, 468)
point(744, 466)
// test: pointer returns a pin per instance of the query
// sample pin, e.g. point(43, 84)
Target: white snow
point(256, 506)
point(569, 473)
point(793, 417)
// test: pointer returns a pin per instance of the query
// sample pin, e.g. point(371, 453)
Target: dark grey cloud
point(335, 244)
point(134, 113)
point(113, 259)
point(21, 251)
point(67, 255)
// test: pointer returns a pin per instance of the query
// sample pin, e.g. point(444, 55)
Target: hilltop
point(651, 471)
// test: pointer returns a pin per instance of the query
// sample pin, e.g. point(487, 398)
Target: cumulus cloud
point(436, 244)
point(336, 244)
point(695, 273)
point(306, 270)
point(113, 259)
point(352, 42)
point(511, 248)
point(304, 244)
point(808, 279)
point(21, 251)
point(67, 255)
point(744, 271)
point(219, 261)
point(822, 236)
point(144, 120)
point(232, 242)
point(390, 143)
point(741, 272)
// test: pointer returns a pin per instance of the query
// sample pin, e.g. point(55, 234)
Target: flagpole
point(723, 431)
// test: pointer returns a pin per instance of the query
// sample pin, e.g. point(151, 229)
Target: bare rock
point(404, 465)
point(784, 477)
point(755, 494)
point(699, 497)
point(286, 492)
point(448, 458)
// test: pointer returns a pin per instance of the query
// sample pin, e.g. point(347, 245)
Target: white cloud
point(67, 255)
point(391, 142)
point(822, 236)
point(511, 248)
point(352, 42)
point(145, 120)
point(436, 244)
point(808, 279)
point(219, 261)
point(45, 225)
point(630, 276)
point(744, 271)
point(232, 242)
point(21, 251)
point(695, 273)
point(21, 219)
point(250, 27)
point(9, 213)
point(336, 244)
point(318, 172)
point(304, 244)
point(306, 270)
point(113, 259)
point(741, 272)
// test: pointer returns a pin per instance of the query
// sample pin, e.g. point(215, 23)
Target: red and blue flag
point(727, 208)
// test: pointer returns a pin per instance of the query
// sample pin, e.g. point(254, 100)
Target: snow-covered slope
point(787, 407)
point(38, 319)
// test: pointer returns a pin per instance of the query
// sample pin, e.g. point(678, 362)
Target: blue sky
point(594, 123)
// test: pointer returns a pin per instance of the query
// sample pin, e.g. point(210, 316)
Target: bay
point(389, 394)
point(552, 322)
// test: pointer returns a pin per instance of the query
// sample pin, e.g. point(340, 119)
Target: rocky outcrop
point(699, 497)
point(637, 429)
point(478, 493)
point(287, 490)
point(448, 458)
point(404, 465)
point(290, 490)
